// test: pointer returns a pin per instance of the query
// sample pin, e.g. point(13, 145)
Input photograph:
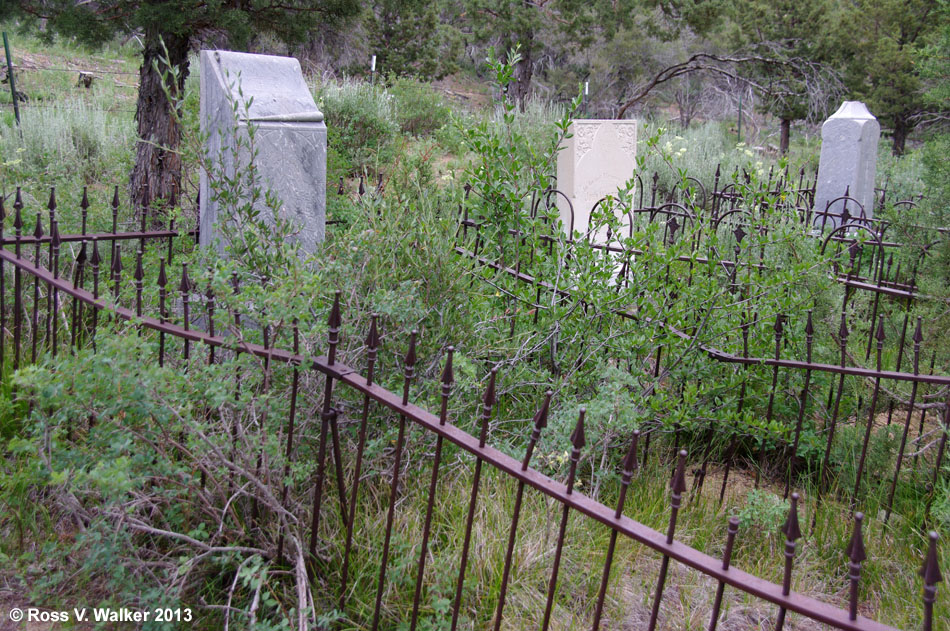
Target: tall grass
point(69, 138)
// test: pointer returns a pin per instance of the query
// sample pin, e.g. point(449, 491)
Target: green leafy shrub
point(420, 109)
point(763, 510)
point(361, 125)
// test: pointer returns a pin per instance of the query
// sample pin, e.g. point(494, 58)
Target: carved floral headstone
point(597, 160)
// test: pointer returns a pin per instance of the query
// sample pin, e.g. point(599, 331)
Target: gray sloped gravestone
point(290, 140)
point(848, 164)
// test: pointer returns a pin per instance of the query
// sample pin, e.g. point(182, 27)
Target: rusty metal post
point(13, 92)
point(448, 379)
point(540, 422)
point(333, 338)
point(630, 466)
point(408, 374)
point(870, 426)
point(856, 556)
point(931, 575)
point(578, 441)
point(372, 349)
point(676, 495)
point(488, 402)
point(918, 338)
point(726, 560)
point(803, 401)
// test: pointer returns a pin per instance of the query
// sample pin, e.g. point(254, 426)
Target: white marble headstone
point(290, 137)
point(597, 160)
point(848, 161)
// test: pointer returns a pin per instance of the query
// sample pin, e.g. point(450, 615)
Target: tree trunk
point(156, 176)
point(523, 72)
point(783, 138)
point(899, 139)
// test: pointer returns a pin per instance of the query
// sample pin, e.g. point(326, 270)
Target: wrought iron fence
point(78, 290)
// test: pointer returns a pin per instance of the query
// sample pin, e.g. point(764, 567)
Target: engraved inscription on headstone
point(848, 164)
point(596, 161)
point(290, 138)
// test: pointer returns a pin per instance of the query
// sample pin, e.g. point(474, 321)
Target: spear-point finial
point(856, 552)
point(95, 258)
point(578, 440)
point(856, 555)
point(139, 270)
point(117, 260)
point(372, 339)
point(54, 235)
point(540, 419)
point(448, 376)
point(162, 278)
point(334, 321)
point(84, 203)
point(17, 212)
point(843, 329)
point(630, 462)
point(718, 169)
point(488, 399)
point(185, 285)
point(410, 360)
point(679, 479)
point(51, 204)
point(809, 327)
point(880, 330)
point(931, 568)
point(791, 529)
point(779, 324)
point(115, 198)
point(918, 333)
point(38, 230)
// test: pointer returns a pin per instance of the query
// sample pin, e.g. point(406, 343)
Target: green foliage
point(420, 110)
point(882, 36)
point(361, 125)
point(408, 39)
point(764, 511)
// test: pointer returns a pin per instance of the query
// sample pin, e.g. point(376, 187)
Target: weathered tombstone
point(268, 92)
point(597, 160)
point(848, 164)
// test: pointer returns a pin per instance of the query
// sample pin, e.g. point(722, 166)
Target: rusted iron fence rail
point(77, 291)
point(856, 250)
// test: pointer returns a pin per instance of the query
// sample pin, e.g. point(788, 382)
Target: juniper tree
point(168, 29)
